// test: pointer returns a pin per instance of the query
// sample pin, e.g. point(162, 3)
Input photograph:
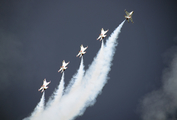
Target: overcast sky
point(36, 36)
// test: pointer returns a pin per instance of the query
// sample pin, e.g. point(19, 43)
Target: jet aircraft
point(82, 51)
point(63, 67)
point(102, 35)
point(129, 16)
point(44, 86)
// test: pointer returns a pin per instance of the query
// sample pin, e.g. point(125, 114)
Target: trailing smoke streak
point(96, 76)
point(76, 79)
point(109, 51)
point(93, 81)
point(38, 110)
point(74, 102)
point(53, 108)
point(55, 98)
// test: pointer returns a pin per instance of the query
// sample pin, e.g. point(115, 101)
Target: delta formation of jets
point(82, 50)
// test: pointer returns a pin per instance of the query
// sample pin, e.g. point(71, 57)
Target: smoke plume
point(162, 104)
point(85, 85)
point(39, 108)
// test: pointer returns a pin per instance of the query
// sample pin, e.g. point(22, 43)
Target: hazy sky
point(35, 36)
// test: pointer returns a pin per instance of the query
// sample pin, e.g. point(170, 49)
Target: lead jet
point(102, 35)
point(82, 51)
point(63, 67)
point(44, 86)
point(129, 15)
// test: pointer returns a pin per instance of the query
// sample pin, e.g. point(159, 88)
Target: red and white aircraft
point(82, 51)
point(129, 15)
point(63, 67)
point(102, 35)
point(44, 86)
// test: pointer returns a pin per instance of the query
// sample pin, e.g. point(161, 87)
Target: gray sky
point(36, 36)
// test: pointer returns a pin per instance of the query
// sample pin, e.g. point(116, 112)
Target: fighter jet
point(63, 67)
point(44, 86)
point(102, 35)
point(82, 51)
point(129, 15)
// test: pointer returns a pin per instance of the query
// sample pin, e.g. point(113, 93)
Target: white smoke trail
point(74, 103)
point(55, 98)
point(77, 78)
point(95, 78)
point(85, 89)
point(38, 110)
point(52, 106)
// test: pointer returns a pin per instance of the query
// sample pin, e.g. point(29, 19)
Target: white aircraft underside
point(63, 67)
point(44, 86)
point(129, 16)
point(82, 51)
point(102, 35)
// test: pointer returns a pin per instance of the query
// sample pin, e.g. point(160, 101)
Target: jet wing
point(60, 69)
point(99, 37)
point(40, 88)
point(105, 32)
point(78, 54)
point(85, 48)
point(127, 13)
point(47, 83)
point(66, 63)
